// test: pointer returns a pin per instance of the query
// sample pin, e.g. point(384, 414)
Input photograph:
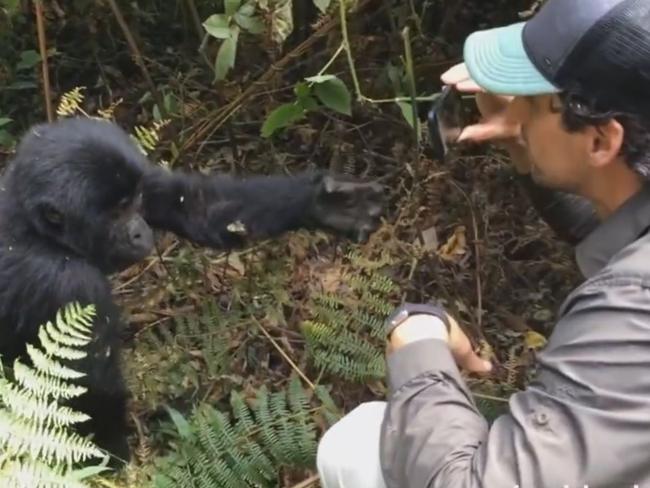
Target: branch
point(137, 55)
point(40, 26)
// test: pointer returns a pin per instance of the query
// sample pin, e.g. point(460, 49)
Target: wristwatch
point(409, 309)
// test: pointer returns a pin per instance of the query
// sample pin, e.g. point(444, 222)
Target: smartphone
point(445, 121)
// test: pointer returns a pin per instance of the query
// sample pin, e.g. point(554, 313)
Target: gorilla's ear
point(50, 217)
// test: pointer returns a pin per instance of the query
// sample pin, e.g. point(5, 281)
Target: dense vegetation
point(239, 361)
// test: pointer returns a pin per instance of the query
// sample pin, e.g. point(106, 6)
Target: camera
point(445, 121)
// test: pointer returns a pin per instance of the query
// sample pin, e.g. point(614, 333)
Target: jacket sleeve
point(580, 422)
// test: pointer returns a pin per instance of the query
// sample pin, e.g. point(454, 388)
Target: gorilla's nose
point(140, 233)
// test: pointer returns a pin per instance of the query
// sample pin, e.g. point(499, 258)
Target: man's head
point(580, 74)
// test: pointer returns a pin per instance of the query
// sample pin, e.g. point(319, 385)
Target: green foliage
point(39, 448)
point(248, 448)
point(328, 89)
point(175, 359)
point(227, 27)
point(345, 337)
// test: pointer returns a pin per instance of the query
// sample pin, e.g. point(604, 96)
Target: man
point(568, 95)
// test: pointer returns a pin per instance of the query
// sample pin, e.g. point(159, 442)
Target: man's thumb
point(473, 363)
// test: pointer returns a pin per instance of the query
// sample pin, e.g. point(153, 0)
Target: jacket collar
point(614, 233)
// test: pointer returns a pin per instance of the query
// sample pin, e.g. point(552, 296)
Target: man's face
point(559, 159)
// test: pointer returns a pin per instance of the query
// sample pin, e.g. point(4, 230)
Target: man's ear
point(606, 142)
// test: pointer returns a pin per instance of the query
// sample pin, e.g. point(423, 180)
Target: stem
point(332, 59)
point(40, 26)
point(195, 18)
point(416, 17)
point(348, 50)
point(412, 91)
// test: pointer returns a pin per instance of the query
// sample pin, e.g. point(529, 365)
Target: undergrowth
point(264, 435)
point(345, 337)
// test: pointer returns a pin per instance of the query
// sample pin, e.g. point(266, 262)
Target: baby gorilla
point(78, 202)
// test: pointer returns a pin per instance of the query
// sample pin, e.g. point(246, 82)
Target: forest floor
point(460, 231)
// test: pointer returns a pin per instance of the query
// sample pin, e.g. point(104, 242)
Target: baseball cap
point(599, 49)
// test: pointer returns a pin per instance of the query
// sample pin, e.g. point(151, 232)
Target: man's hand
point(500, 117)
point(348, 206)
point(420, 327)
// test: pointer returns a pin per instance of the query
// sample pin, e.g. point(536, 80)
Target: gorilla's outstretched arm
point(224, 212)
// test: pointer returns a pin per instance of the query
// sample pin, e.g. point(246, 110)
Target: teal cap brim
point(498, 63)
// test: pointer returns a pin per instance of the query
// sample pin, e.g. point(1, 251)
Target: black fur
point(69, 203)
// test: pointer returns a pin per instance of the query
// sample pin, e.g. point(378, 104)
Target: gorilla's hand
point(348, 206)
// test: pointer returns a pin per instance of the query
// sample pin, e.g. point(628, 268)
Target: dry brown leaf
point(455, 246)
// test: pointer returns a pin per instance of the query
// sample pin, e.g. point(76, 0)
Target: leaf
point(455, 246)
point(335, 95)
point(226, 56)
point(302, 90)
point(321, 78)
point(4, 121)
point(407, 112)
point(231, 7)
point(248, 9)
point(282, 116)
point(281, 18)
point(28, 59)
point(182, 425)
point(254, 25)
point(322, 5)
point(218, 26)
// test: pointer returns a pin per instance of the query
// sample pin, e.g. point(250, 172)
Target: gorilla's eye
point(52, 216)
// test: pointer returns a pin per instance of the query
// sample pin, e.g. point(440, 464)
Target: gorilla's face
point(91, 205)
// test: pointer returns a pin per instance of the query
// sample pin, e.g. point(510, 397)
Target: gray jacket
point(584, 421)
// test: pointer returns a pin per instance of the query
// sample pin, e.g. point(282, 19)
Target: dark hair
point(578, 113)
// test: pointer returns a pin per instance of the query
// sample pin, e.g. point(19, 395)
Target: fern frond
point(53, 348)
point(52, 445)
point(148, 138)
point(33, 474)
point(42, 385)
point(249, 450)
point(76, 321)
point(71, 102)
point(109, 112)
point(51, 367)
point(37, 445)
point(38, 410)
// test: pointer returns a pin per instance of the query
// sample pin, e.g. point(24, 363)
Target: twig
point(40, 26)
point(284, 354)
point(479, 293)
point(308, 482)
point(332, 59)
point(137, 56)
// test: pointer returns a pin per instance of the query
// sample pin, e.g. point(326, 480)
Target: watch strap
point(409, 309)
